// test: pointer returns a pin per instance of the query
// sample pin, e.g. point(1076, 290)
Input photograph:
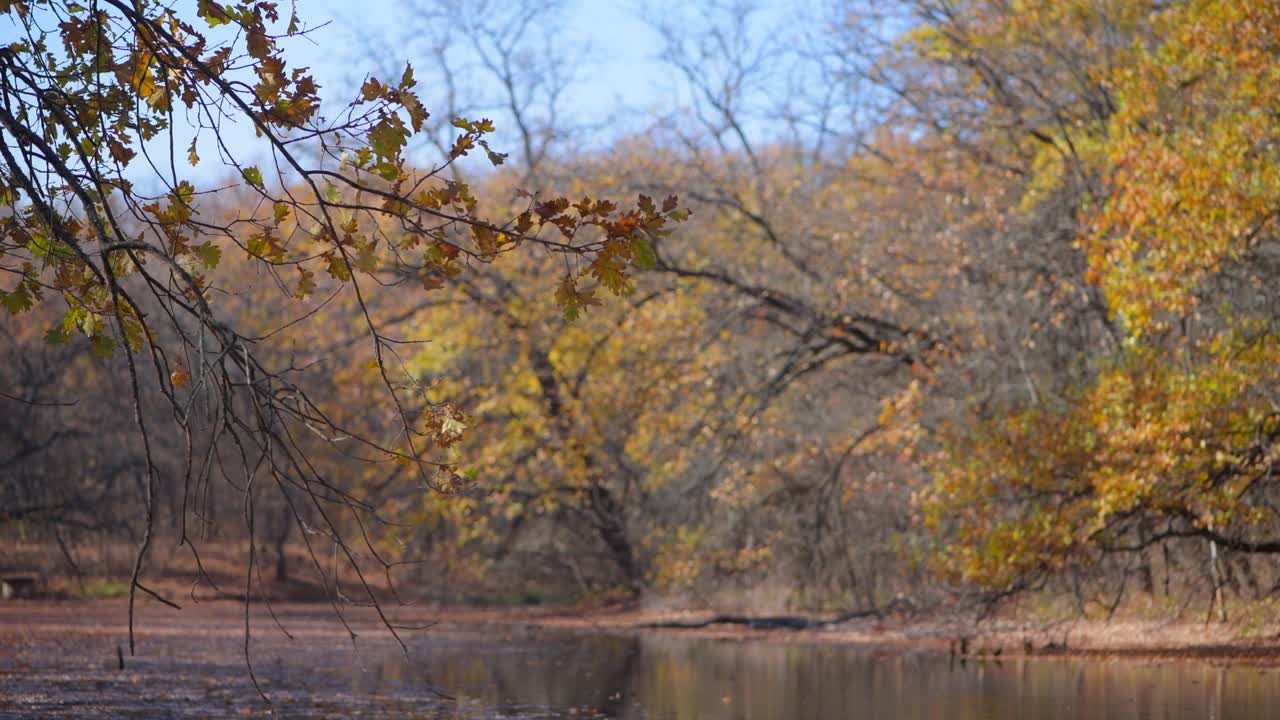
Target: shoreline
point(991, 641)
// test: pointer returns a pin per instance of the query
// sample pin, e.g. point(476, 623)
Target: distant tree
point(1171, 437)
point(719, 434)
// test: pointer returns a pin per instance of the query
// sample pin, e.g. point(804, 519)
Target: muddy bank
point(59, 659)
point(105, 622)
point(62, 658)
point(1222, 642)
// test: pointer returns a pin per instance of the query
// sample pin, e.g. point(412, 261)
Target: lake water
point(661, 676)
point(67, 669)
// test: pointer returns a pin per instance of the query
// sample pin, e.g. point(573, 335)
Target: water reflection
point(679, 678)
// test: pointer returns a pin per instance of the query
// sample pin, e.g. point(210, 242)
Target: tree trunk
point(281, 538)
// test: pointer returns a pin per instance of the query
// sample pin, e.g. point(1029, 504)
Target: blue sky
point(619, 81)
point(620, 75)
point(621, 71)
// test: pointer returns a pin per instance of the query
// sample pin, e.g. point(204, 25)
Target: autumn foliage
point(983, 304)
point(1172, 432)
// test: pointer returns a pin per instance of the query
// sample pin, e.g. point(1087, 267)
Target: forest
point(893, 306)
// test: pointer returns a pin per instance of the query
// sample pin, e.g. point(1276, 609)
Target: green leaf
point(18, 301)
point(184, 193)
point(258, 44)
point(612, 274)
point(57, 336)
point(210, 255)
point(485, 239)
point(388, 136)
point(567, 297)
point(337, 267)
point(417, 113)
point(387, 171)
point(213, 13)
point(104, 346)
point(572, 300)
point(642, 253)
point(192, 156)
point(253, 176)
point(77, 318)
point(134, 334)
point(257, 245)
point(306, 283)
point(366, 261)
point(38, 245)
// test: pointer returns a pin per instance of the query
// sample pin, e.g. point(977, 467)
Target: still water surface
point(66, 667)
point(661, 676)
